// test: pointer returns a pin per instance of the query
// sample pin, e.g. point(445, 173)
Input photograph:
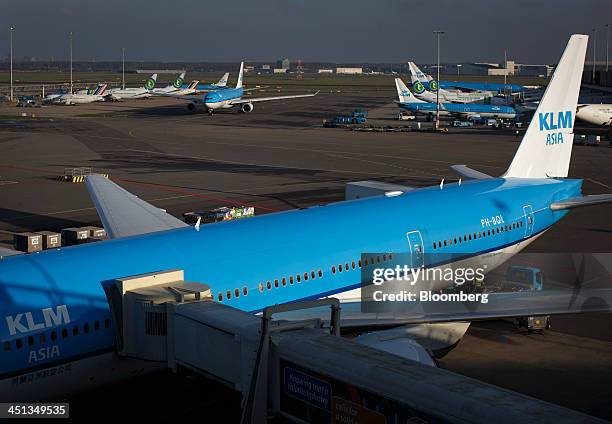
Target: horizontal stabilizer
point(577, 202)
point(469, 173)
point(124, 214)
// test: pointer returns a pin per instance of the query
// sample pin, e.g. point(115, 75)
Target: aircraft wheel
point(210, 112)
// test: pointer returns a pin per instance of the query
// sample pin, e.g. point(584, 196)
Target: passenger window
point(228, 295)
point(7, 346)
point(106, 323)
point(276, 283)
point(31, 341)
point(298, 278)
point(220, 297)
point(96, 327)
point(312, 274)
point(365, 262)
point(85, 328)
point(305, 276)
point(54, 335)
point(245, 291)
point(75, 331)
point(261, 287)
point(359, 263)
point(18, 343)
point(346, 266)
point(353, 264)
point(333, 269)
point(444, 242)
point(340, 268)
point(43, 338)
point(236, 293)
point(269, 285)
point(291, 279)
point(434, 246)
point(284, 281)
point(64, 333)
point(320, 273)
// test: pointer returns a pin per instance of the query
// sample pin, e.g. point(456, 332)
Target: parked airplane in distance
point(426, 88)
point(171, 88)
point(597, 114)
point(98, 95)
point(230, 97)
point(219, 85)
point(135, 92)
point(408, 101)
point(57, 333)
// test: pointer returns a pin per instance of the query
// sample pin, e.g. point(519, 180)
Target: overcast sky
point(533, 31)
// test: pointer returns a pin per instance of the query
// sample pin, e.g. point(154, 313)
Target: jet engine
point(247, 107)
point(191, 106)
point(422, 343)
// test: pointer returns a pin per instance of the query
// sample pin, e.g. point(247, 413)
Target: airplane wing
point(124, 214)
point(470, 173)
point(194, 99)
point(5, 252)
point(499, 305)
point(265, 99)
point(576, 202)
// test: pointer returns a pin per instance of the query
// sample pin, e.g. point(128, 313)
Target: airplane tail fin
point(404, 95)
point(101, 90)
point(193, 85)
point(223, 81)
point(546, 147)
point(178, 82)
point(150, 83)
point(239, 83)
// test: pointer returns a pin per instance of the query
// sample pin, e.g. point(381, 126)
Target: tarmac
point(279, 157)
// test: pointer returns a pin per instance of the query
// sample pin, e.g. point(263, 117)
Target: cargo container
point(50, 239)
point(75, 235)
point(28, 242)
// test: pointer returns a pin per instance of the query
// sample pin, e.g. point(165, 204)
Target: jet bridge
point(300, 371)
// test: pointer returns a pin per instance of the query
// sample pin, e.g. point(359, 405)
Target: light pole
point(594, 50)
point(11, 54)
point(123, 72)
point(459, 65)
point(607, 44)
point(505, 69)
point(70, 37)
point(438, 33)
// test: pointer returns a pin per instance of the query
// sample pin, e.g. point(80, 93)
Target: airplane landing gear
point(210, 112)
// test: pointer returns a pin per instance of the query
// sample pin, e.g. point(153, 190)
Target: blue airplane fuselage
point(462, 108)
point(53, 307)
